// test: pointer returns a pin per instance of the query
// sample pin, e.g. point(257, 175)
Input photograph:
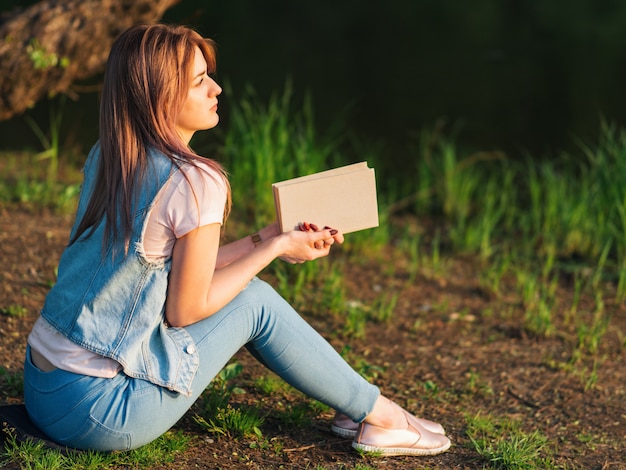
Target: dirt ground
point(451, 349)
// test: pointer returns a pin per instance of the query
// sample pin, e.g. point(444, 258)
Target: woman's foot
point(411, 439)
point(343, 426)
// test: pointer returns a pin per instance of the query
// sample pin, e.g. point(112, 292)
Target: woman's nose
point(215, 89)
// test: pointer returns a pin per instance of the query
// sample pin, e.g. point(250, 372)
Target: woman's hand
point(309, 243)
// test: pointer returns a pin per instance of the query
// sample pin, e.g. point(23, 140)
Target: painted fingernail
point(307, 226)
point(334, 232)
point(314, 227)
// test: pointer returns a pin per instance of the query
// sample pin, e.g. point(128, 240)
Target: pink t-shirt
point(182, 205)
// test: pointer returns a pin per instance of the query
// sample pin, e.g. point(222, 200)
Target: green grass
point(31, 455)
point(218, 417)
point(34, 179)
point(505, 445)
point(30, 182)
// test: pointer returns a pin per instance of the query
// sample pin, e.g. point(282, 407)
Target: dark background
point(523, 76)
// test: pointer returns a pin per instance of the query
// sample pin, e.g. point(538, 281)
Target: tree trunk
point(46, 47)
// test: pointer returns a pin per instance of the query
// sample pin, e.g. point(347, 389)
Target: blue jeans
point(123, 413)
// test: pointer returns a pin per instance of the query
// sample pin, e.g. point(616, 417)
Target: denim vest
point(114, 305)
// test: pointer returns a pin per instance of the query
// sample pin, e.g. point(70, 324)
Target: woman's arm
point(198, 287)
point(235, 250)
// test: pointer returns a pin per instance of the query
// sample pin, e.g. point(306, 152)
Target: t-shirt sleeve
point(197, 200)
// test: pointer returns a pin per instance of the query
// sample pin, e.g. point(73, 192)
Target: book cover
point(343, 198)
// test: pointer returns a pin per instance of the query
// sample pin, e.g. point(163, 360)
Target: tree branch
point(46, 47)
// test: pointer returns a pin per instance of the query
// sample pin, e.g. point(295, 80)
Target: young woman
point(148, 307)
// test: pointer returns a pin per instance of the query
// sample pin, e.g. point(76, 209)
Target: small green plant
point(14, 310)
point(368, 370)
point(621, 286)
point(384, 307)
point(233, 422)
point(490, 278)
point(274, 445)
point(588, 439)
point(299, 414)
point(412, 250)
point(476, 385)
point(431, 388)
point(52, 144)
point(434, 261)
point(13, 382)
point(270, 384)
point(373, 454)
point(356, 320)
point(218, 395)
point(219, 417)
point(333, 297)
point(592, 376)
point(539, 297)
point(505, 445)
point(590, 334)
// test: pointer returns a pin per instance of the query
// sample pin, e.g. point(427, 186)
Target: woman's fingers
point(335, 235)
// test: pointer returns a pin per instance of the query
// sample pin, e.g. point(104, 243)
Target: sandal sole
point(342, 432)
point(399, 450)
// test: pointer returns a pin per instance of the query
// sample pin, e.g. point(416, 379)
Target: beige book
point(343, 198)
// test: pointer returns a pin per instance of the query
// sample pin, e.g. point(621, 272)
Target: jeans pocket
point(94, 435)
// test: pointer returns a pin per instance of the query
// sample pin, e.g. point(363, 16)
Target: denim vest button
point(190, 349)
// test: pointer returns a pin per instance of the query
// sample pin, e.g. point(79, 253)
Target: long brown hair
point(146, 81)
